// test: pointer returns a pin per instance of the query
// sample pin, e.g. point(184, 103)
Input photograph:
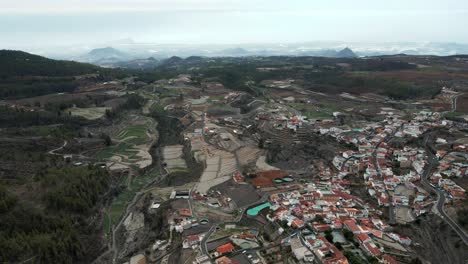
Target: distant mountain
point(194, 59)
point(107, 52)
point(174, 60)
point(143, 64)
point(19, 63)
point(345, 53)
point(103, 56)
point(236, 52)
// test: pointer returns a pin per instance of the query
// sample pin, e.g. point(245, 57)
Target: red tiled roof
point(351, 225)
point(363, 237)
point(225, 260)
point(185, 212)
point(225, 248)
point(193, 238)
point(377, 233)
point(297, 223)
point(372, 249)
point(389, 260)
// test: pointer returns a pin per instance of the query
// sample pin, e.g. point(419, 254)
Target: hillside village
point(204, 168)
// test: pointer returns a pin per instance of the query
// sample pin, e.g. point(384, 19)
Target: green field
point(128, 137)
point(134, 134)
point(311, 112)
point(117, 208)
point(120, 149)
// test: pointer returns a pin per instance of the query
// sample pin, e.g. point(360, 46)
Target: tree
point(107, 139)
point(348, 234)
point(319, 218)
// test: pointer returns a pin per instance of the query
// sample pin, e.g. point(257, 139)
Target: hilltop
point(19, 63)
point(346, 53)
point(105, 54)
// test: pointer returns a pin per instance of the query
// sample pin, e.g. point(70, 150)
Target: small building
point(226, 248)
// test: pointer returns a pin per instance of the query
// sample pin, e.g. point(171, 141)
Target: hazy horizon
point(51, 23)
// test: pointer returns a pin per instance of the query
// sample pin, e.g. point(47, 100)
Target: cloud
point(266, 6)
point(105, 6)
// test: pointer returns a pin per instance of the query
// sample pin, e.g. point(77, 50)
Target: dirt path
point(52, 152)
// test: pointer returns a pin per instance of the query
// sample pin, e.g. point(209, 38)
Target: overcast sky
point(47, 22)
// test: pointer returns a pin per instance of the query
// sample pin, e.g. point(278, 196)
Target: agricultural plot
point(247, 155)
point(220, 165)
point(173, 158)
point(117, 208)
point(131, 144)
point(137, 134)
point(90, 113)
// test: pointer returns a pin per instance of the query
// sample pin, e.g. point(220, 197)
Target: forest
point(55, 228)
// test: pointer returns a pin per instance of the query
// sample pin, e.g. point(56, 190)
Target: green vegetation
point(19, 88)
point(311, 111)
point(454, 115)
point(18, 63)
point(348, 234)
point(120, 202)
point(26, 75)
point(20, 118)
point(134, 134)
point(354, 258)
point(74, 189)
point(222, 232)
point(463, 217)
point(53, 228)
point(119, 149)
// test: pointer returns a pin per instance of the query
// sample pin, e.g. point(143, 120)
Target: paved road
point(454, 102)
point(439, 206)
point(204, 247)
point(391, 210)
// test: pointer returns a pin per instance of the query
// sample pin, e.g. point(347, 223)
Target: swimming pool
point(254, 211)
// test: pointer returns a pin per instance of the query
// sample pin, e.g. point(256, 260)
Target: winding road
point(439, 206)
point(52, 152)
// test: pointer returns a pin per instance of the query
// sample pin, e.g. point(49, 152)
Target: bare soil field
point(241, 194)
point(91, 113)
point(462, 103)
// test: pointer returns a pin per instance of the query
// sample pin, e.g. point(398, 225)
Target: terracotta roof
point(351, 225)
point(363, 237)
point(389, 260)
point(185, 212)
point(225, 260)
point(225, 248)
point(372, 249)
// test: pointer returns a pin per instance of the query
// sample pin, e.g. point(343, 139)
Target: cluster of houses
point(326, 205)
point(328, 209)
point(384, 168)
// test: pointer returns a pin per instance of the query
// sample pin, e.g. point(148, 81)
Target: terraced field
point(173, 157)
point(137, 134)
point(131, 144)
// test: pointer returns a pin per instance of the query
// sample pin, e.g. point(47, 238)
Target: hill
point(26, 75)
point(19, 63)
point(138, 64)
point(106, 54)
point(346, 53)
